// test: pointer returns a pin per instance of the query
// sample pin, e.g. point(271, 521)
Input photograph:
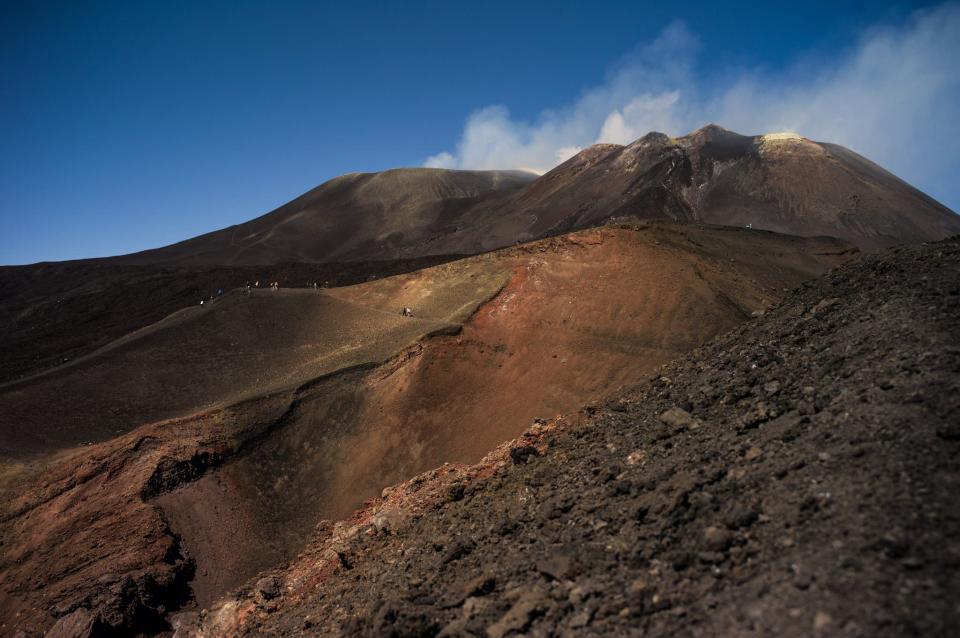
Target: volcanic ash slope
point(796, 477)
point(161, 472)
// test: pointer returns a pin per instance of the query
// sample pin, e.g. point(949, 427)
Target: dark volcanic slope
point(355, 217)
point(775, 182)
point(795, 477)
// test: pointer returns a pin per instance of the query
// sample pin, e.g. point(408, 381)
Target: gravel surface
point(797, 476)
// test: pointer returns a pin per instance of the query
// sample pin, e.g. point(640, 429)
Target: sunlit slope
point(581, 315)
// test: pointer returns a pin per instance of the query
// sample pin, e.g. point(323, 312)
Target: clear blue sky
point(129, 125)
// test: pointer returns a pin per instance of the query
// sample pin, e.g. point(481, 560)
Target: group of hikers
point(275, 285)
point(247, 289)
point(212, 297)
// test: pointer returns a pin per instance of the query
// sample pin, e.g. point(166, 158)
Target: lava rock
point(741, 515)
point(79, 623)
point(387, 519)
point(457, 550)
point(480, 586)
point(455, 492)
point(523, 453)
point(557, 566)
point(268, 588)
point(679, 419)
point(717, 539)
point(528, 607)
point(950, 431)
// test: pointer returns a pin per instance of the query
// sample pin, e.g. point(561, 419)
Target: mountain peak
point(713, 133)
point(778, 181)
point(711, 129)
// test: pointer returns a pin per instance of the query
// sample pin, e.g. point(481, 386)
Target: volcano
point(657, 378)
point(779, 182)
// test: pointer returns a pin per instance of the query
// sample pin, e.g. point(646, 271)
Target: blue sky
point(126, 125)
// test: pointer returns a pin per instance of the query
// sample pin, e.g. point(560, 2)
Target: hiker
point(257, 285)
point(201, 302)
point(219, 291)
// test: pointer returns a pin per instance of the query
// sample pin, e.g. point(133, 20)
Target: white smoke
point(628, 101)
point(893, 95)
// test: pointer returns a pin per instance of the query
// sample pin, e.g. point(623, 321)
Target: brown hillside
point(285, 414)
point(795, 477)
